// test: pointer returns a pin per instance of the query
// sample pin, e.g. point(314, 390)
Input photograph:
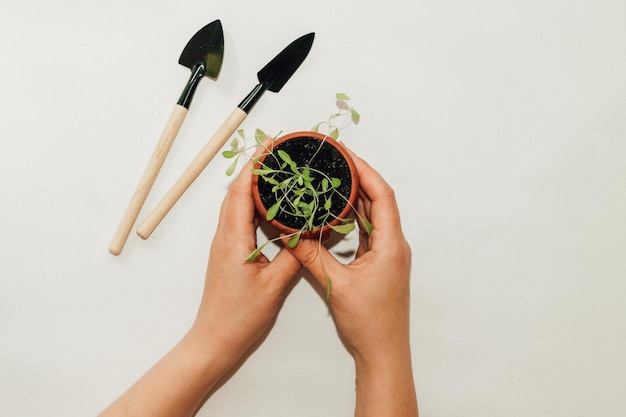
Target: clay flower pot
point(325, 158)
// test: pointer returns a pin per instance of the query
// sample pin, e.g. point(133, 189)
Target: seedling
point(303, 194)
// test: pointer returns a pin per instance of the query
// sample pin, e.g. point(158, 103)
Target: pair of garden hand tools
point(203, 54)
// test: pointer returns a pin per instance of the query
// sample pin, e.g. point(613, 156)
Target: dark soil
point(328, 160)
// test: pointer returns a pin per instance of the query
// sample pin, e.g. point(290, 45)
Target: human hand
point(370, 296)
point(241, 297)
point(370, 300)
point(239, 302)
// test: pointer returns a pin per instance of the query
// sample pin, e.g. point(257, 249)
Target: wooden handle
point(192, 172)
point(147, 179)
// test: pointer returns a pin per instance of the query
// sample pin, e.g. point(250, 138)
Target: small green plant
point(239, 146)
point(345, 109)
point(301, 191)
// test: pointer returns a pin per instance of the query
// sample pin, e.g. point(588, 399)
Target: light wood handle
point(192, 172)
point(147, 179)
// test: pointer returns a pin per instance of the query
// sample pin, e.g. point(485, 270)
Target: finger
point(283, 268)
point(237, 212)
point(238, 207)
point(380, 201)
point(362, 213)
point(363, 245)
point(366, 205)
point(374, 189)
point(363, 235)
point(316, 259)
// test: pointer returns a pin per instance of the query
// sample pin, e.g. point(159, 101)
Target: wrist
point(213, 354)
point(383, 362)
point(385, 385)
point(383, 346)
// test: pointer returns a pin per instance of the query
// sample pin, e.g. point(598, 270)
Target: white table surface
point(501, 125)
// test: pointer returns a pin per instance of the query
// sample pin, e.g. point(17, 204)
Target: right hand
point(370, 296)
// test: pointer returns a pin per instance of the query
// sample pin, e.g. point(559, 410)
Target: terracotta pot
point(329, 157)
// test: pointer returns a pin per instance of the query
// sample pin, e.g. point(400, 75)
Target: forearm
point(385, 387)
point(177, 384)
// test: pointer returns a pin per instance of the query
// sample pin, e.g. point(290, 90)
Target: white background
point(501, 125)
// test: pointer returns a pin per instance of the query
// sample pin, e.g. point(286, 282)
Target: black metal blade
point(278, 71)
point(206, 48)
point(203, 54)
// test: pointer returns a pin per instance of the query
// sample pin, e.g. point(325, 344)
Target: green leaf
point(284, 156)
point(324, 184)
point(310, 187)
point(234, 143)
point(293, 242)
point(342, 97)
point(328, 204)
point(344, 229)
point(272, 211)
point(367, 225)
point(304, 208)
point(279, 185)
point(231, 168)
point(229, 154)
point(329, 284)
point(270, 180)
point(257, 252)
point(306, 174)
point(316, 127)
point(253, 255)
point(241, 133)
point(356, 117)
point(259, 136)
point(334, 133)
point(335, 182)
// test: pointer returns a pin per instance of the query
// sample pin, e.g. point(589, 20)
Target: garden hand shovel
point(203, 55)
point(271, 77)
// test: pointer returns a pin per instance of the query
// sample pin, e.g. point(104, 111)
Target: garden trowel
point(272, 77)
point(203, 55)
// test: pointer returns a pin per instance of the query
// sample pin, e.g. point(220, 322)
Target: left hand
point(240, 301)
point(241, 298)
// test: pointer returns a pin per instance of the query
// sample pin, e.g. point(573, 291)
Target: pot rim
point(352, 198)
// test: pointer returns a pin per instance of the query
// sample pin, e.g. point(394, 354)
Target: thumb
point(283, 267)
point(316, 259)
